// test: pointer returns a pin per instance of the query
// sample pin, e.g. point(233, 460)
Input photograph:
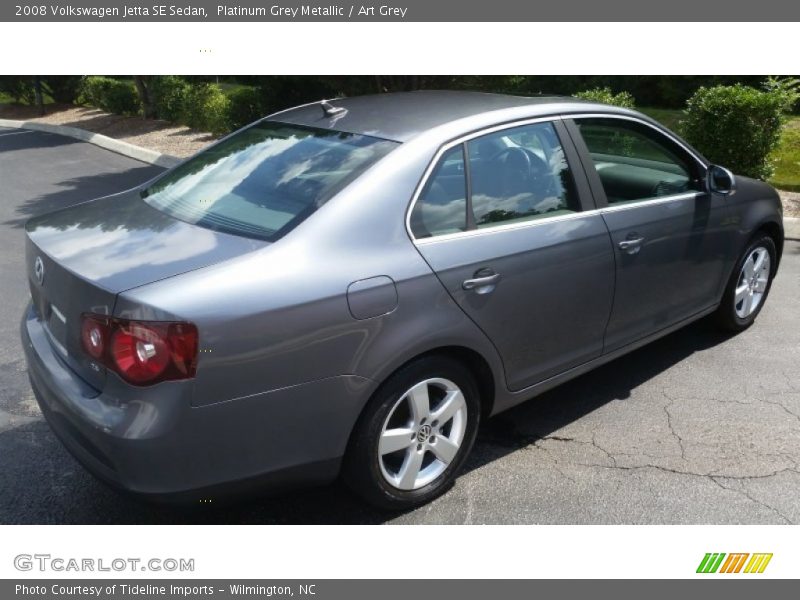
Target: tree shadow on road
point(537, 419)
point(80, 189)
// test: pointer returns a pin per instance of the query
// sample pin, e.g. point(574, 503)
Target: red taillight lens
point(93, 335)
point(141, 352)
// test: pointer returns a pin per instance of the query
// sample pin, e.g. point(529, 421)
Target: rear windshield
point(263, 181)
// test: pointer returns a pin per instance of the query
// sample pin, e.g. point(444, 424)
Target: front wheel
point(749, 285)
point(414, 435)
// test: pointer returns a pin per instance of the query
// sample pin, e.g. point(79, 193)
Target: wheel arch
point(477, 365)
point(474, 361)
point(775, 231)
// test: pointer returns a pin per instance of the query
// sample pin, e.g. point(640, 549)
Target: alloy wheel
point(752, 283)
point(422, 434)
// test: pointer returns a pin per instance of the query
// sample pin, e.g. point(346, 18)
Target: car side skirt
point(510, 399)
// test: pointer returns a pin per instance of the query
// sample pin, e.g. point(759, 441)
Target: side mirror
point(721, 180)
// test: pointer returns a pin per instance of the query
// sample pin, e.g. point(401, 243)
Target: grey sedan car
point(350, 286)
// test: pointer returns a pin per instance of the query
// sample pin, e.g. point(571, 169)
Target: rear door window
point(520, 174)
point(513, 175)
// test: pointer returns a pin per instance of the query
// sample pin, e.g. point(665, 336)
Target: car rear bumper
point(161, 447)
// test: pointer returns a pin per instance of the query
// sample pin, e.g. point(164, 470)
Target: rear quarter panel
point(279, 316)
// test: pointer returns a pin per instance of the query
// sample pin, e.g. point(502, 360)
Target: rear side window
point(514, 175)
point(635, 162)
point(264, 180)
point(442, 205)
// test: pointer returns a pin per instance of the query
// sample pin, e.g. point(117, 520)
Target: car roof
point(402, 116)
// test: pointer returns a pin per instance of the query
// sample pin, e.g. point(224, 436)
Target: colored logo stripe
point(758, 563)
point(710, 562)
point(733, 564)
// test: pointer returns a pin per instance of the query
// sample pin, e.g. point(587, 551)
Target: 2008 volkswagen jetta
point(350, 286)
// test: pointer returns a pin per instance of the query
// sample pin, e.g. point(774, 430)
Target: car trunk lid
point(80, 258)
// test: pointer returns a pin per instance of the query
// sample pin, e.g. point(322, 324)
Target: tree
point(145, 95)
point(37, 90)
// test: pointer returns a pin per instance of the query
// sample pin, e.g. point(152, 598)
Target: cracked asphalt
point(699, 427)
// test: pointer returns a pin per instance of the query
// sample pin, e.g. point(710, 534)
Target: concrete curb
point(142, 154)
point(791, 228)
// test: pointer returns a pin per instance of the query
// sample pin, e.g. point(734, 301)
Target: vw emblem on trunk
point(38, 270)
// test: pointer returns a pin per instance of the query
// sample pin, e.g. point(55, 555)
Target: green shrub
point(786, 87)
point(169, 96)
point(18, 87)
point(202, 106)
point(246, 106)
point(206, 108)
point(736, 127)
point(606, 96)
point(110, 95)
point(217, 112)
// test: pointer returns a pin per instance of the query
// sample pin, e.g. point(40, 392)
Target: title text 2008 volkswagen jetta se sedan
point(351, 286)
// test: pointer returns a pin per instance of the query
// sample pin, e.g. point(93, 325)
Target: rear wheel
point(749, 285)
point(414, 435)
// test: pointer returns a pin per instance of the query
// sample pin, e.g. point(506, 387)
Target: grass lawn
point(787, 158)
point(786, 155)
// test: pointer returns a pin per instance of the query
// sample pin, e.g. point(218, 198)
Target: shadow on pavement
point(43, 484)
point(80, 189)
point(536, 419)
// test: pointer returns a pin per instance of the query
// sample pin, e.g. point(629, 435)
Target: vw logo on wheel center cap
point(38, 270)
point(424, 433)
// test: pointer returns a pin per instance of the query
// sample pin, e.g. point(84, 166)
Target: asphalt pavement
point(699, 427)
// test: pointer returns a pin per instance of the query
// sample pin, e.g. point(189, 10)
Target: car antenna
point(330, 110)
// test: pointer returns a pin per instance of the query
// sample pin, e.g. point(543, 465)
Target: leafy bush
point(736, 126)
point(246, 106)
point(606, 96)
point(169, 95)
point(18, 87)
point(206, 108)
point(787, 87)
point(110, 95)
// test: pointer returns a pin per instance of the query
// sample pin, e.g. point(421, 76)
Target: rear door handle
point(631, 246)
point(483, 284)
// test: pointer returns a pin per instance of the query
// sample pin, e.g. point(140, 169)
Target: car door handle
point(631, 246)
point(482, 284)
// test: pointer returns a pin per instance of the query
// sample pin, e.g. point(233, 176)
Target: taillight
point(93, 335)
point(141, 352)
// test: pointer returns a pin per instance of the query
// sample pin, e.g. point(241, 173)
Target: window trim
point(502, 227)
point(567, 120)
point(462, 140)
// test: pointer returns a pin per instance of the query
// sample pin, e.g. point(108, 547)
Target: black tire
point(361, 470)
point(726, 316)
